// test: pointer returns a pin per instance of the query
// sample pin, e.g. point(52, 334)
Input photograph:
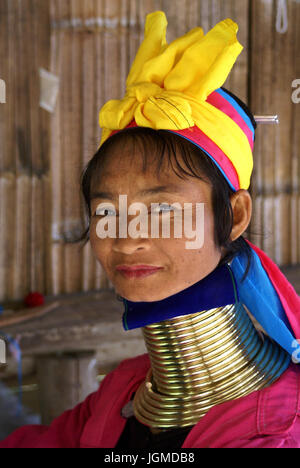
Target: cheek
point(209, 231)
point(93, 235)
point(98, 246)
point(195, 261)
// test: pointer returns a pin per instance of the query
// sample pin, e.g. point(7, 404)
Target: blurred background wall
point(49, 124)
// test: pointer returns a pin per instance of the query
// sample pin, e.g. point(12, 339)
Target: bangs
point(158, 149)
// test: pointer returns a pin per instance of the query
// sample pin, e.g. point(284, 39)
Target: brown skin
point(181, 267)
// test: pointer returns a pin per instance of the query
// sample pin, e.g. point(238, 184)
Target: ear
point(241, 203)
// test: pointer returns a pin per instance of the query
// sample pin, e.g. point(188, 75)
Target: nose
point(132, 239)
point(129, 245)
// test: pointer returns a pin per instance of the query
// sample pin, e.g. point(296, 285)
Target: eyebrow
point(171, 188)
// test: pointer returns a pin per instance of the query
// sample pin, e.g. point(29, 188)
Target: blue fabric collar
point(215, 290)
point(260, 297)
point(224, 286)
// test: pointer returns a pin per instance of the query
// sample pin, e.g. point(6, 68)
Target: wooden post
point(65, 379)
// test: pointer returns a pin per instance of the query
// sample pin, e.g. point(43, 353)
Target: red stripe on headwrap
point(218, 101)
point(196, 136)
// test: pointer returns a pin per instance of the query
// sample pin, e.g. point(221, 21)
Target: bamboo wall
point(25, 187)
point(90, 46)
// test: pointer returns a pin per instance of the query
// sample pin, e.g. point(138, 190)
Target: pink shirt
point(269, 418)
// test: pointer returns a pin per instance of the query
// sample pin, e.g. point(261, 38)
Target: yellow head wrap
point(168, 86)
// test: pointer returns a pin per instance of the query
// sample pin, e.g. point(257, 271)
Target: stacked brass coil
point(201, 360)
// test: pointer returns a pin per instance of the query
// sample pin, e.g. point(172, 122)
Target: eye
point(104, 212)
point(163, 208)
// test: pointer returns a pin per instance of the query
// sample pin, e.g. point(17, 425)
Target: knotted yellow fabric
point(168, 85)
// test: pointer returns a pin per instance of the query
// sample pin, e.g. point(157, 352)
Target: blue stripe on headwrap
point(239, 109)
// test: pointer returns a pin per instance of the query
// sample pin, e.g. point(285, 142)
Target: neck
point(200, 360)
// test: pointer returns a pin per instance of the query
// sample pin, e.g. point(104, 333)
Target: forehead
point(142, 156)
point(126, 173)
point(135, 162)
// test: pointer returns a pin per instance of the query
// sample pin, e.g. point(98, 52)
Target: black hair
point(166, 144)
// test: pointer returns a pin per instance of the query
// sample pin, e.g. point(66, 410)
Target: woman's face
point(180, 267)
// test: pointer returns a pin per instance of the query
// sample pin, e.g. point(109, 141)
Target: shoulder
point(128, 370)
point(137, 363)
point(279, 404)
point(269, 417)
point(106, 421)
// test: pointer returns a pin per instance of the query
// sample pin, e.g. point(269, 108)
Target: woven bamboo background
point(274, 64)
point(25, 183)
point(89, 45)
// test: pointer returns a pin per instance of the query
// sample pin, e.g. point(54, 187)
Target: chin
point(143, 296)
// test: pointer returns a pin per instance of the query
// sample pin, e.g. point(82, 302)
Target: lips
point(137, 267)
point(137, 271)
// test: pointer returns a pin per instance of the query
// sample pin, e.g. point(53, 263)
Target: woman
point(219, 319)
